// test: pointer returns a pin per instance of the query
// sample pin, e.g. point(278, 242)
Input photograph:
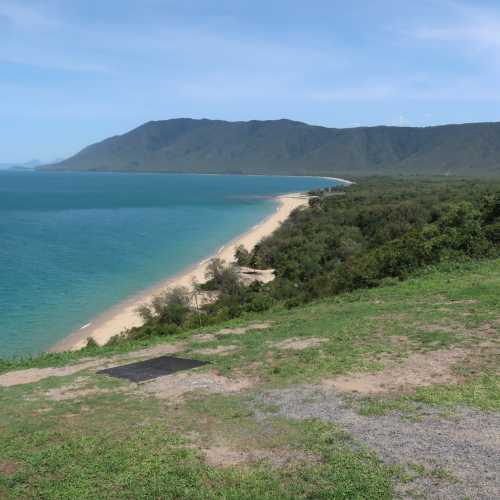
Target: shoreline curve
point(123, 315)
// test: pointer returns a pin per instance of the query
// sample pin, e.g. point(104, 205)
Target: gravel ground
point(466, 445)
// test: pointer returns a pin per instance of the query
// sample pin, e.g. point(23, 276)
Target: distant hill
point(294, 148)
point(29, 165)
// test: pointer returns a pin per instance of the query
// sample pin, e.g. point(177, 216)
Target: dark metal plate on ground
point(152, 368)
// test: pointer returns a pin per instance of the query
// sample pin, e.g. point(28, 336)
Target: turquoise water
point(73, 245)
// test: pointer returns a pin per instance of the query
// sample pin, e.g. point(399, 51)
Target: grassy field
point(428, 345)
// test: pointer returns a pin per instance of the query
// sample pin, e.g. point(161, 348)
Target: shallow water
point(74, 244)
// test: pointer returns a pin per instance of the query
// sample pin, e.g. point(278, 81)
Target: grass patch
point(482, 392)
point(141, 450)
point(122, 444)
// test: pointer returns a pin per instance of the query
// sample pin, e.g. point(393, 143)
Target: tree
point(170, 307)
point(242, 256)
point(221, 277)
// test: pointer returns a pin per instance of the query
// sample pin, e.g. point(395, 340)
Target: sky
point(73, 72)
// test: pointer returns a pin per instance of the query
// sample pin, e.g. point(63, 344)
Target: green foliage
point(151, 329)
point(379, 229)
point(221, 277)
point(91, 343)
point(242, 256)
point(169, 308)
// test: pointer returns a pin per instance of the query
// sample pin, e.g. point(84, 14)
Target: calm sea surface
point(73, 245)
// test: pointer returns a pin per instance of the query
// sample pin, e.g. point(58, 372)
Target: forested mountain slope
point(294, 148)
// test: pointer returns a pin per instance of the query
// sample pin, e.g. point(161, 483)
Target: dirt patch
point(156, 350)
point(79, 389)
point(299, 344)
point(248, 275)
point(400, 340)
point(244, 329)
point(483, 358)
point(8, 468)
point(417, 370)
point(222, 350)
point(391, 317)
point(223, 456)
point(458, 302)
point(176, 385)
point(487, 329)
point(33, 375)
point(204, 337)
point(442, 327)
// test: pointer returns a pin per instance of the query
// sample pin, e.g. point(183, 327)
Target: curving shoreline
point(122, 316)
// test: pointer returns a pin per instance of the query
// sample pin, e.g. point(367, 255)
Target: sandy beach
point(124, 315)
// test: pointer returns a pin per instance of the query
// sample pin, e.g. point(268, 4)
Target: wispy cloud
point(483, 34)
point(374, 91)
point(25, 16)
point(468, 24)
point(408, 89)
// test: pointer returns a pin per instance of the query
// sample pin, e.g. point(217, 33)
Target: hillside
point(382, 393)
point(294, 148)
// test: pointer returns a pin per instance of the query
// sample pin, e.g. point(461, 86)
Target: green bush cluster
point(349, 238)
point(379, 229)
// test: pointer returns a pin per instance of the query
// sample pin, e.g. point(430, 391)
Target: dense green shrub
point(380, 228)
point(171, 307)
point(357, 237)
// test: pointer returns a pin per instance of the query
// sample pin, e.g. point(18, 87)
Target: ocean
point(72, 245)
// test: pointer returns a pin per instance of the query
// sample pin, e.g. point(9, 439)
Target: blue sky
point(76, 71)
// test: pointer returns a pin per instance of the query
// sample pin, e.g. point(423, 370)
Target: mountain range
point(285, 147)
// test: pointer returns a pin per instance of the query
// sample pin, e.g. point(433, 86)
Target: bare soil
point(419, 369)
point(222, 350)
point(79, 389)
point(299, 344)
point(224, 456)
point(177, 385)
point(245, 329)
point(32, 375)
point(8, 468)
point(204, 337)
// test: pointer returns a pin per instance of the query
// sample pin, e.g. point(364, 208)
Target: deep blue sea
point(74, 244)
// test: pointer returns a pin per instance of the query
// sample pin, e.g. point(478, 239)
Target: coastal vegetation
point(349, 238)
